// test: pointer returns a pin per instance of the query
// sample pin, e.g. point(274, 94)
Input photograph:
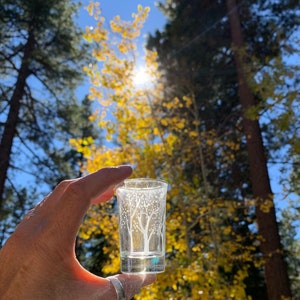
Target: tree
point(40, 57)
point(275, 267)
point(180, 38)
point(192, 59)
point(61, 162)
point(291, 243)
point(202, 243)
point(13, 211)
point(171, 129)
point(194, 53)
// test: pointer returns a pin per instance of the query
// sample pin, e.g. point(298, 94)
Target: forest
point(216, 115)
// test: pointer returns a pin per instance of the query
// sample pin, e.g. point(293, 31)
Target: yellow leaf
point(209, 142)
point(164, 122)
point(90, 8)
point(122, 48)
point(156, 131)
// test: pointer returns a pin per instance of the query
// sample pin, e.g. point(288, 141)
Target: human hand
point(38, 261)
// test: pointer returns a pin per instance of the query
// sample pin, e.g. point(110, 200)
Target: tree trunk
point(13, 115)
point(276, 276)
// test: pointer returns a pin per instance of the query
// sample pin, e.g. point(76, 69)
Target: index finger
point(107, 195)
point(79, 194)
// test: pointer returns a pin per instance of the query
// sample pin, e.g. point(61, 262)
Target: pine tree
point(201, 244)
point(41, 54)
point(168, 130)
point(275, 267)
point(195, 55)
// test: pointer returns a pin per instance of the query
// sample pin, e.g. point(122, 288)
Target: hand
point(38, 261)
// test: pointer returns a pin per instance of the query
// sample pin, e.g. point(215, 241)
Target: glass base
point(143, 264)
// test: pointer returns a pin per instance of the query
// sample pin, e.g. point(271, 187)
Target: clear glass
point(142, 216)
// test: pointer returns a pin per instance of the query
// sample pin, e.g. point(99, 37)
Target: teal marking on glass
point(155, 260)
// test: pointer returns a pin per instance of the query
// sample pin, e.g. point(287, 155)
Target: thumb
point(127, 286)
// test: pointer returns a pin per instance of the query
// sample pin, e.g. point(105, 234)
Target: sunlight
point(141, 77)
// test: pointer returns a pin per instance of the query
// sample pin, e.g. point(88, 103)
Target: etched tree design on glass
point(142, 220)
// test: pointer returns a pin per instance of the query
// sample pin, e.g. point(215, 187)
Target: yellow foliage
point(199, 244)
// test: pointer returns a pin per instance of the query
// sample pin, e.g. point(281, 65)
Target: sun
point(141, 77)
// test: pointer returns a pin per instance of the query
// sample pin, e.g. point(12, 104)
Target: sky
point(124, 9)
point(110, 8)
point(156, 20)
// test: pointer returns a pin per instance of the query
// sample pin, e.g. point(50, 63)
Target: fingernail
point(124, 166)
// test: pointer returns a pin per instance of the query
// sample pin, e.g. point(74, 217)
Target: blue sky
point(156, 20)
point(124, 9)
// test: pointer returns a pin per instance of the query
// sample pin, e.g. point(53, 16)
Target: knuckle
point(62, 185)
point(74, 189)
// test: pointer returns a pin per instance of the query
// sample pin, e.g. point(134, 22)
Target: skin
point(38, 260)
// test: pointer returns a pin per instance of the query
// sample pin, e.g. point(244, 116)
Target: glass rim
point(160, 184)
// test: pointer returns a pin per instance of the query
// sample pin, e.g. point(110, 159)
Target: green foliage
point(41, 56)
point(19, 201)
point(209, 249)
point(185, 128)
point(289, 223)
point(190, 46)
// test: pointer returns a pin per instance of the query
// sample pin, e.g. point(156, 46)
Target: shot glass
point(142, 216)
